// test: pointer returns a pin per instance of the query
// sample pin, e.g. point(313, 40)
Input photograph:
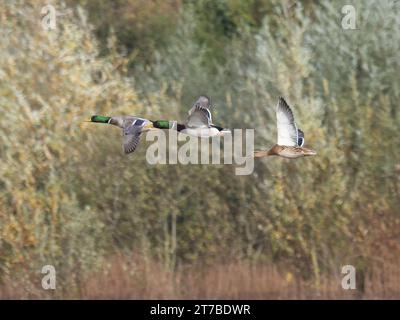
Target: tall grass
point(133, 276)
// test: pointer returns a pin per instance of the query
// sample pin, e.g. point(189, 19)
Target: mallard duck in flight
point(198, 123)
point(132, 129)
point(290, 138)
point(199, 120)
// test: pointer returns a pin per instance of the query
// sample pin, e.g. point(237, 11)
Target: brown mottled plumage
point(290, 138)
point(285, 151)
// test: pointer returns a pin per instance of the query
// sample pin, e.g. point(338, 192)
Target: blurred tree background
point(70, 198)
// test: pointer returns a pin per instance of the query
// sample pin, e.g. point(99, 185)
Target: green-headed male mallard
point(198, 122)
point(132, 128)
point(290, 138)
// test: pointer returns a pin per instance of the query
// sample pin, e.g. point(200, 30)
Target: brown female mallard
point(290, 138)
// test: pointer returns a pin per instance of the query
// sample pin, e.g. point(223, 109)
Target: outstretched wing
point(287, 129)
point(132, 132)
point(199, 114)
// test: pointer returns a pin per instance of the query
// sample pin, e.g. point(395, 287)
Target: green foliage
point(140, 26)
point(46, 91)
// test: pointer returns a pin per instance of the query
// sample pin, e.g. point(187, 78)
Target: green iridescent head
point(101, 119)
point(161, 124)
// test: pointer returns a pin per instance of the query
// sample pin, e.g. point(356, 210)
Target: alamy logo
point(349, 280)
point(49, 19)
point(236, 149)
point(49, 280)
point(349, 18)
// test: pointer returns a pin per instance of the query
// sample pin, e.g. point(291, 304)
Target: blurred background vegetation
point(70, 198)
